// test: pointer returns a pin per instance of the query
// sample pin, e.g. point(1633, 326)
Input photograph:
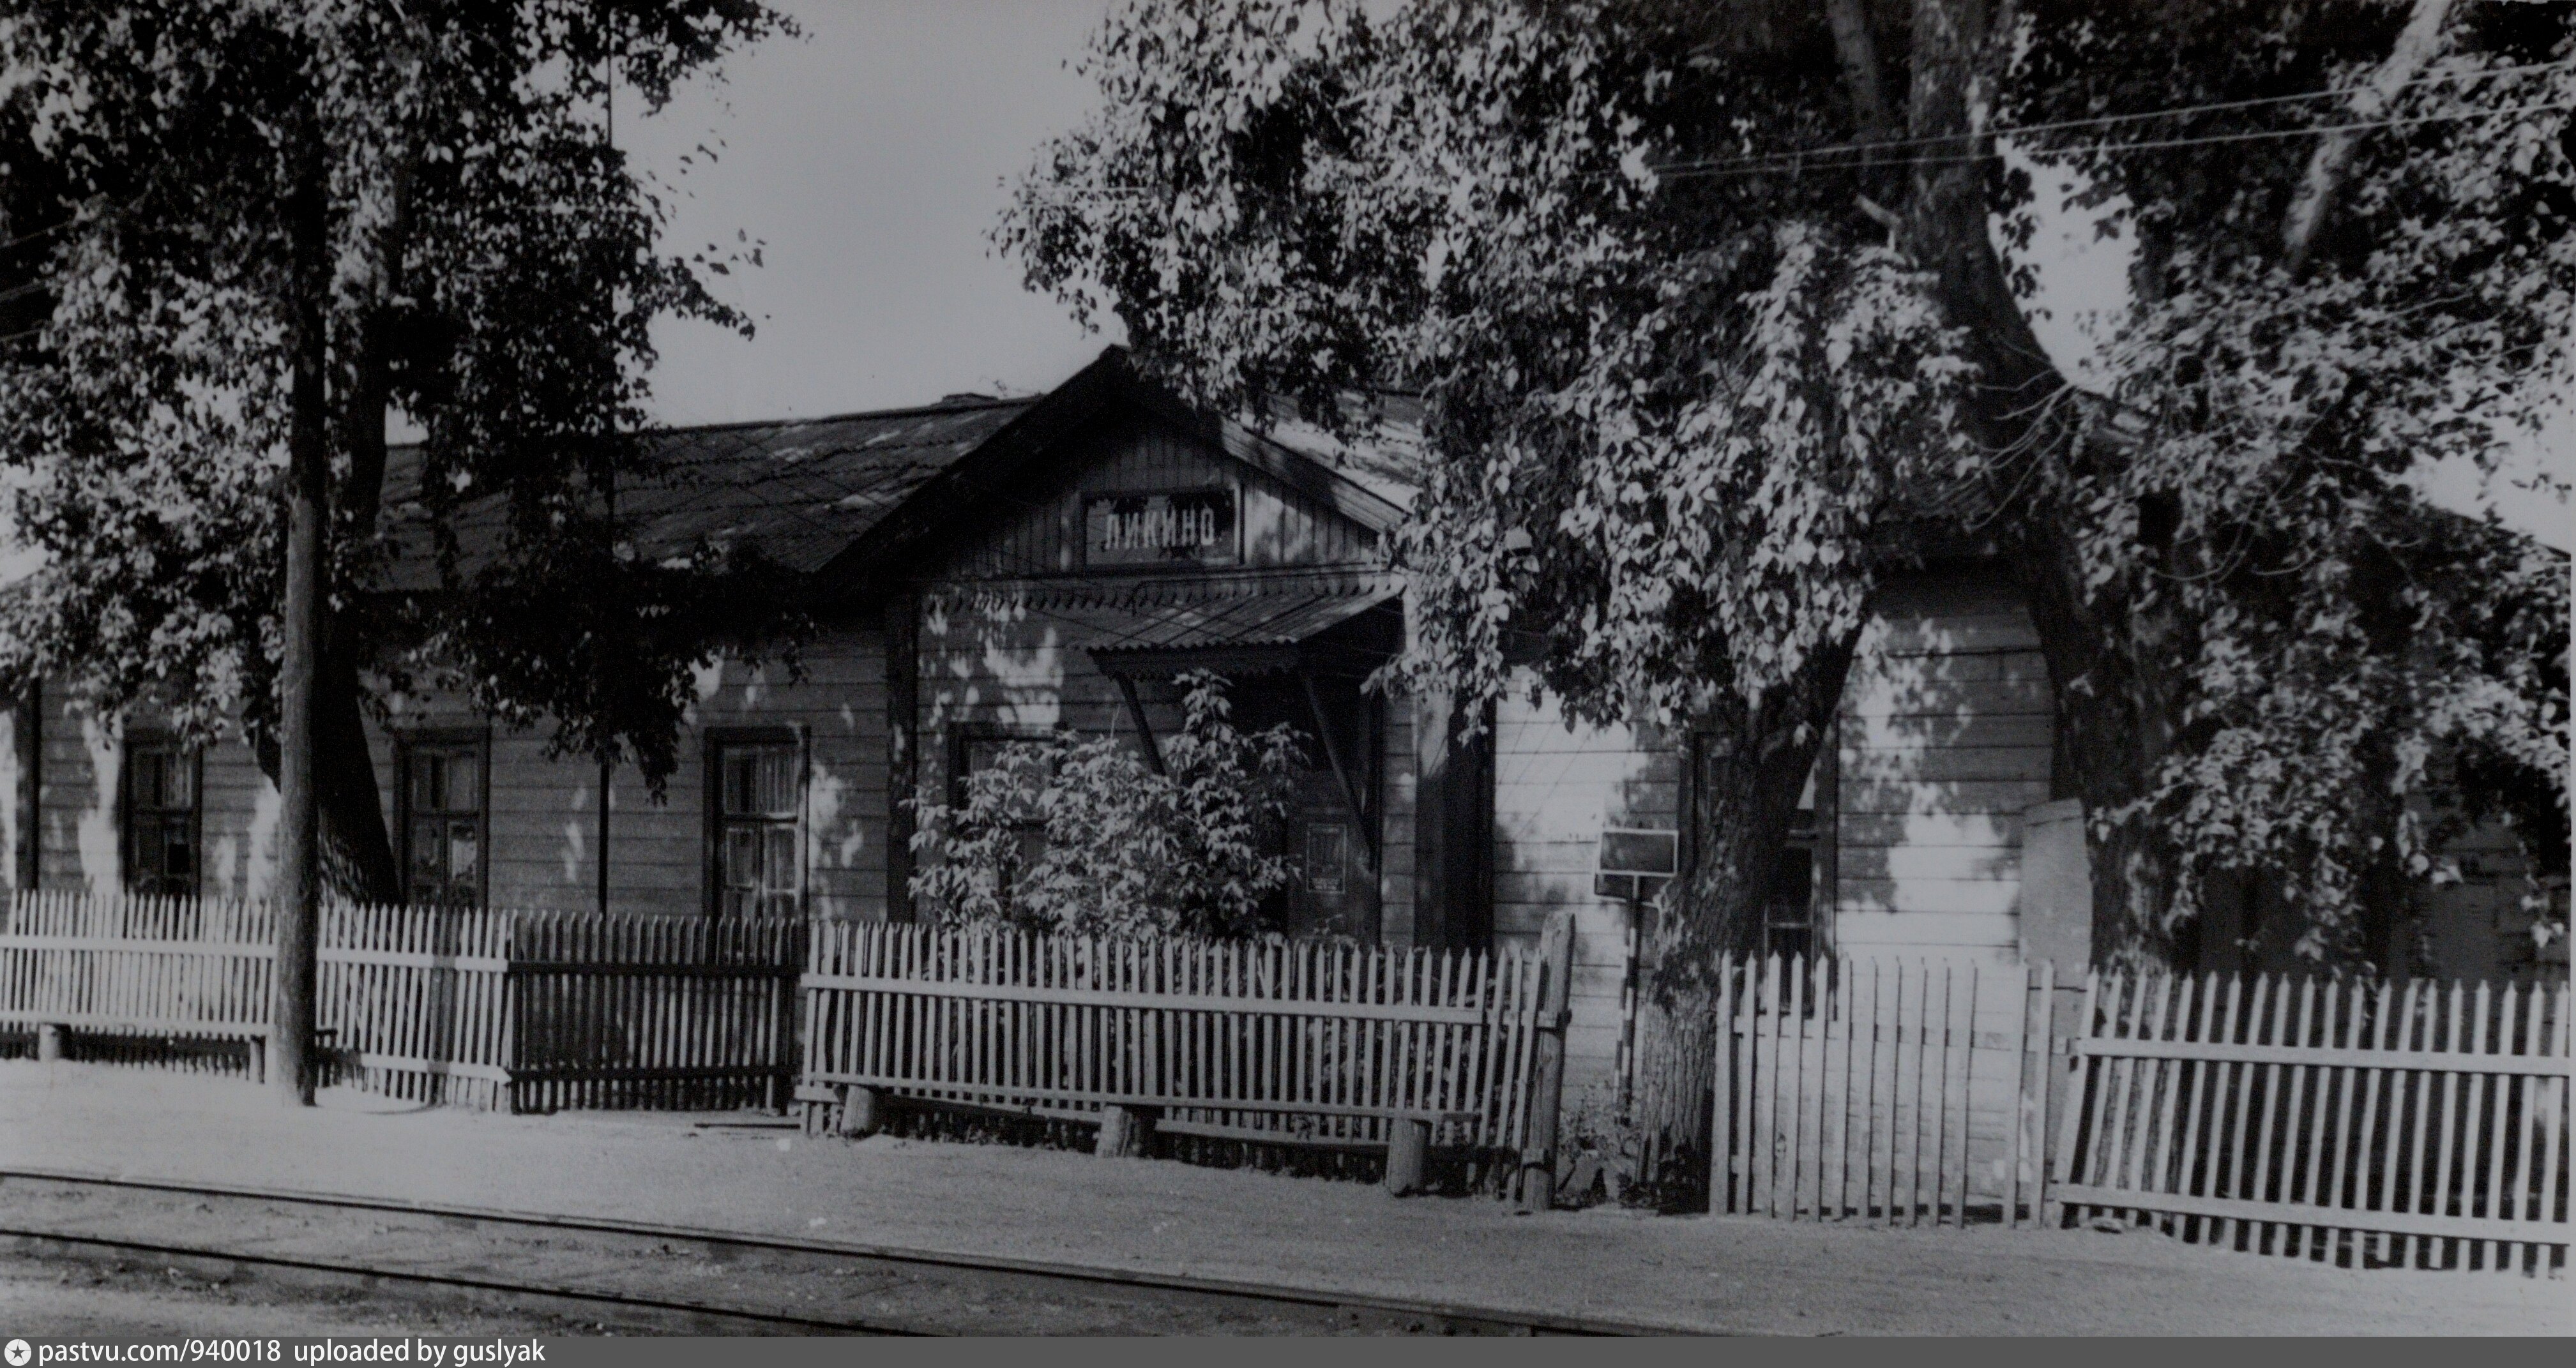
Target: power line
point(24, 238)
point(2105, 120)
point(1830, 156)
point(1821, 158)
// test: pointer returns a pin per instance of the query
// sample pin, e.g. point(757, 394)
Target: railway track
point(643, 1276)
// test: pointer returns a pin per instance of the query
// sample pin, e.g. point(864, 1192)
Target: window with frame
point(759, 791)
point(160, 818)
point(443, 823)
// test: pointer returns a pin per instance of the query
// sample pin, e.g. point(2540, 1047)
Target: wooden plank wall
point(544, 814)
point(542, 845)
point(1945, 741)
point(76, 804)
point(1398, 806)
point(996, 654)
point(1554, 789)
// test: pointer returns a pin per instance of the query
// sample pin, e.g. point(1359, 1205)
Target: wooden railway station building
point(999, 568)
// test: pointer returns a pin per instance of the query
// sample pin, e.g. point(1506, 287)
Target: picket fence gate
point(1880, 1090)
point(2349, 1121)
point(531, 1011)
point(1279, 1044)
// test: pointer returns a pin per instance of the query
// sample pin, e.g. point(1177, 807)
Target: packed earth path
point(1724, 1274)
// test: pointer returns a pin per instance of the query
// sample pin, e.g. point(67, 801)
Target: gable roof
point(881, 554)
point(849, 499)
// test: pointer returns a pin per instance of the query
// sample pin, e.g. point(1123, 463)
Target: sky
point(871, 157)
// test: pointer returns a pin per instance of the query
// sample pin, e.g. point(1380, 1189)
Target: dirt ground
point(1704, 1273)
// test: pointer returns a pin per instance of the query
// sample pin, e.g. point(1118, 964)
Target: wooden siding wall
point(541, 850)
point(1397, 888)
point(1945, 742)
point(1554, 789)
point(76, 802)
point(1281, 526)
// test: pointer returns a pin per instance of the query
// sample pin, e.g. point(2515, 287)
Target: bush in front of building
point(1082, 835)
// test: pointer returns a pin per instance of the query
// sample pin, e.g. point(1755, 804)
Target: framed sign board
point(1635, 861)
point(1186, 527)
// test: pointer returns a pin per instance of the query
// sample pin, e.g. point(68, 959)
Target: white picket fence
point(2350, 1121)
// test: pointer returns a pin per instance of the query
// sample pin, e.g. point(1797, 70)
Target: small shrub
point(1078, 834)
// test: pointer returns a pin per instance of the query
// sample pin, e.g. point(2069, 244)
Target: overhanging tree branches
point(285, 223)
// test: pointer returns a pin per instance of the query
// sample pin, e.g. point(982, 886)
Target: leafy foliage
point(1692, 386)
point(495, 269)
point(2340, 646)
point(1079, 835)
point(1663, 436)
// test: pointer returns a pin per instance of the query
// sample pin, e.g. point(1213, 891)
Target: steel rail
point(1443, 1314)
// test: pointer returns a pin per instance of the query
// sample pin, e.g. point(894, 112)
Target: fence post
point(49, 1043)
point(788, 948)
point(1125, 1132)
point(1721, 1105)
point(860, 1113)
point(1547, 1090)
point(508, 937)
point(2052, 1211)
point(2034, 1111)
point(1408, 1144)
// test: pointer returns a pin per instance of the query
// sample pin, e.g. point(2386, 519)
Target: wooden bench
point(1128, 1120)
point(52, 1027)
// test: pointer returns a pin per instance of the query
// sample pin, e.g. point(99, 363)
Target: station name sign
point(1196, 527)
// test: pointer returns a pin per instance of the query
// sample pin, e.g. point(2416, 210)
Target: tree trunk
point(2417, 44)
point(2020, 406)
point(291, 1061)
point(2115, 720)
point(1745, 802)
point(357, 854)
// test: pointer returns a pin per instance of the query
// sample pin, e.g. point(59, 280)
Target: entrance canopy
point(1151, 633)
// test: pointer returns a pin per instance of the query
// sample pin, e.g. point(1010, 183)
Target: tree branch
point(1857, 51)
point(2420, 41)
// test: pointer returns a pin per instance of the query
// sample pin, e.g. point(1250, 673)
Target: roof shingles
point(796, 491)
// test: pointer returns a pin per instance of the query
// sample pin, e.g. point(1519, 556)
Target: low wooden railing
point(1279, 1044)
point(531, 1011)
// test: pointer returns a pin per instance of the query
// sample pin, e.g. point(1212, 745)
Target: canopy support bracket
point(1341, 771)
